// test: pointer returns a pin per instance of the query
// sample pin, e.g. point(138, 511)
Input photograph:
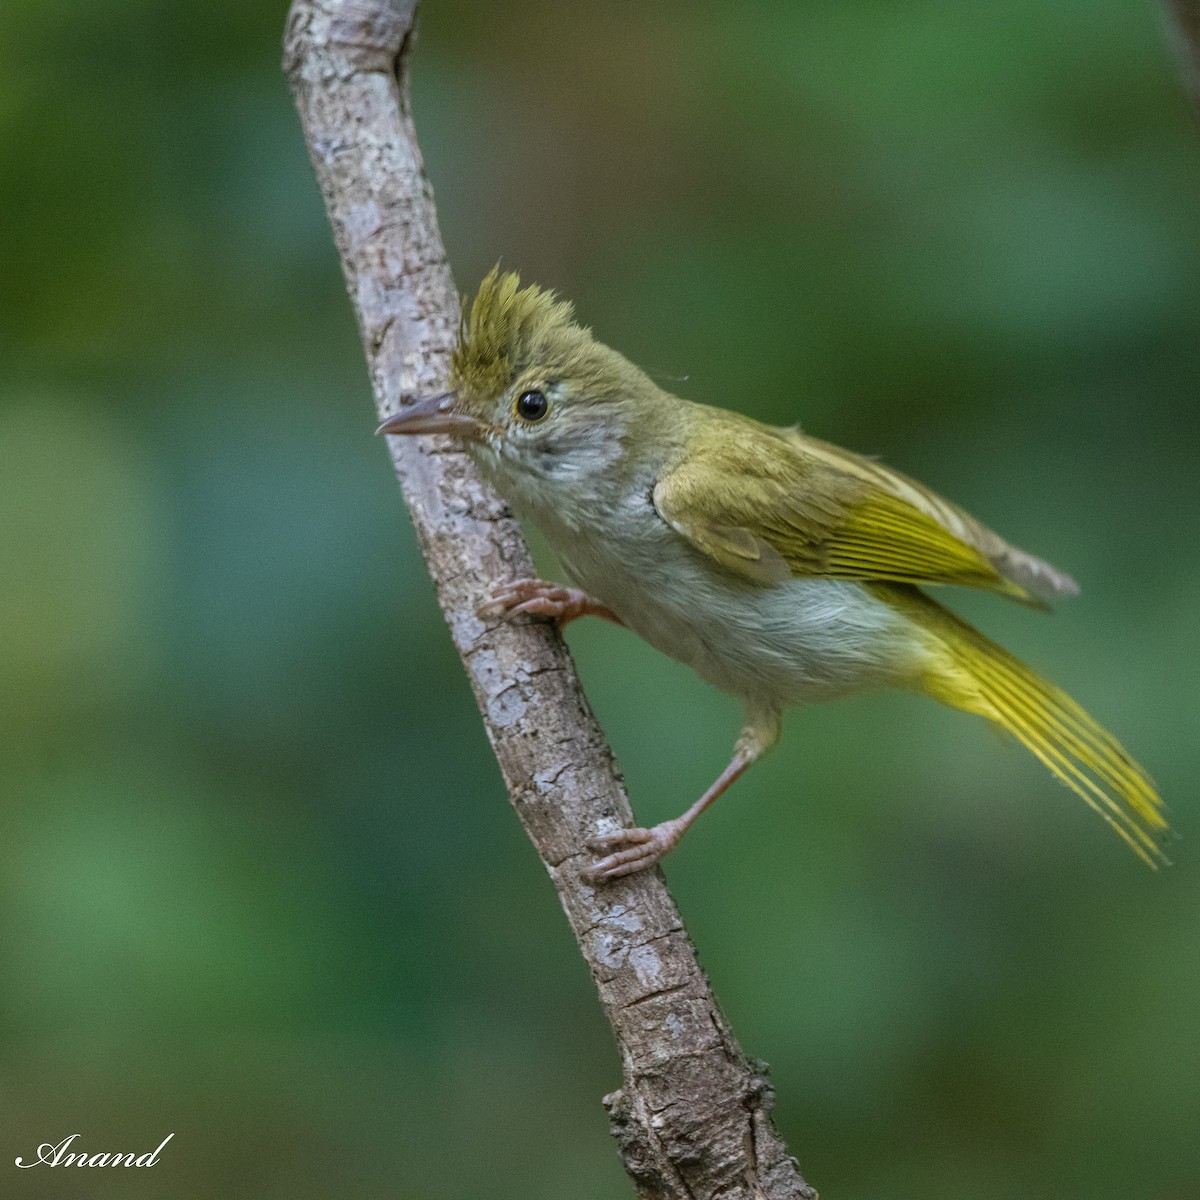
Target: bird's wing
point(771, 503)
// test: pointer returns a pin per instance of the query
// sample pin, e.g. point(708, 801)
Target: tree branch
point(692, 1118)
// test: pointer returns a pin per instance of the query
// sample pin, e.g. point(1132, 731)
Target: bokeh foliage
point(259, 885)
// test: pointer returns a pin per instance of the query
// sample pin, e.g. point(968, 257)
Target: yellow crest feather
point(504, 326)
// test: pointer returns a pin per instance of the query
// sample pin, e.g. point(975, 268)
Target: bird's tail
point(974, 674)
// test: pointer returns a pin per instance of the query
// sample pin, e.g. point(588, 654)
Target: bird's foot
point(633, 850)
point(542, 599)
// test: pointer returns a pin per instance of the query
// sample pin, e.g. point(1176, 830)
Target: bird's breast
point(797, 641)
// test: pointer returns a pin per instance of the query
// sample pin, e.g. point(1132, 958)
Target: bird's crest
point(504, 328)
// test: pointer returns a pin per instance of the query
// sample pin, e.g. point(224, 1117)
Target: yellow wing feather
point(768, 503)
point(1034, 575)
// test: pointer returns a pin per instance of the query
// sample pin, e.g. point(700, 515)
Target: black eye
point(532, 406)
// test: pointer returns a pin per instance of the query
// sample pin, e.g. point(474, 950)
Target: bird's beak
point(434, 414)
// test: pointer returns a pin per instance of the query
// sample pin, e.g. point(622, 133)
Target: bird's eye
point(532, 406)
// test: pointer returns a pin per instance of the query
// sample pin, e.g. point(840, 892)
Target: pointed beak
point(434, 414)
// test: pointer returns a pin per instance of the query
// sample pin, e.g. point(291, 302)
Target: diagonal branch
point(691, 1119)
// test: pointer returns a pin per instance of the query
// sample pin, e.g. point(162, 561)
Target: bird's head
point(534, 396)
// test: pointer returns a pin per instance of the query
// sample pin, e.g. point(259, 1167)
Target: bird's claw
point(538, 598)
point(633, 850)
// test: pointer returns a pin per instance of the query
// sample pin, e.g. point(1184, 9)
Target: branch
point(692, 1117)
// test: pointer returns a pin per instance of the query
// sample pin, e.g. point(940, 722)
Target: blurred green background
point(259, 883)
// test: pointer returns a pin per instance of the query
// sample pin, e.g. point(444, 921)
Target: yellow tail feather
point(976, 675)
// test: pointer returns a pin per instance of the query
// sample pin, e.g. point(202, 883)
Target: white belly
point(798, 641)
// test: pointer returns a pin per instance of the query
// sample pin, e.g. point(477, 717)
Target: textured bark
point(692, 1117)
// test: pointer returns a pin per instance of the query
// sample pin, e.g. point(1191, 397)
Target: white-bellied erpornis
point(784, 570)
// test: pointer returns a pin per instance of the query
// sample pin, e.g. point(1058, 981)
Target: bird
point(783, 569)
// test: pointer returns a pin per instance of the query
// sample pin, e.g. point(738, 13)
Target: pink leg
point(644, 847)
point(542, 599)
point(637, 849)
